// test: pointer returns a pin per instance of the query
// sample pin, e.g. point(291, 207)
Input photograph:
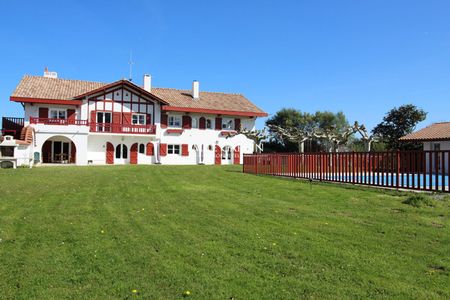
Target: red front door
point(134, 154)
point(218, 155)
point(109, 153)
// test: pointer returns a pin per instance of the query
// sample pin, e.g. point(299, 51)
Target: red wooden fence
point(418, 170)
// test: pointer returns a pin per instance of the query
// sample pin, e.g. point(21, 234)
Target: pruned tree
point(366, 138)
point(293, 134)
point(334, 137)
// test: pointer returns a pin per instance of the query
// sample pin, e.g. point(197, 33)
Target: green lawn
point(102, 232)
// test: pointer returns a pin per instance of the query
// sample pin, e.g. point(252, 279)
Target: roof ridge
point(66, 79)
point(185, 90)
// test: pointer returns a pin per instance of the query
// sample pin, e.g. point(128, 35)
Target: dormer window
point(175, 121)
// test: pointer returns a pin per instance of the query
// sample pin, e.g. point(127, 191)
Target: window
point(226, 153)
point(208, 124)
point(121, 151)
point(227, 124)
point(173, 149)
point(138, 119)
point(103, 121)
point(194, 122)
point(174, 121)
point(58, 114)
point(142, 148)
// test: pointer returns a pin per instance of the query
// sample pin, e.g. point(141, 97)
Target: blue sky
point(361, 57)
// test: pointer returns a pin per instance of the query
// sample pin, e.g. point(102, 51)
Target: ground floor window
point(6, 151)
point(226, 153)
point(121, 151)
point(142, 148)
point(173, 149)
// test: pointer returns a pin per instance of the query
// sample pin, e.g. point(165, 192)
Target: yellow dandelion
point(102, 231)
point(186, 293)
point(134, 291)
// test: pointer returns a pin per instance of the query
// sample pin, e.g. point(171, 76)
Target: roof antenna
point(131, 63)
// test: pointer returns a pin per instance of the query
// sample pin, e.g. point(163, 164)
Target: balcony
point(51, 121)
point(122, 128)
point(12, 126)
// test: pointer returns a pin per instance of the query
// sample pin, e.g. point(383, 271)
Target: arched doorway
point(59, 150)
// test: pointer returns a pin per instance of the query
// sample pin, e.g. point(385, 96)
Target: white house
point(82, 122)
point(436, 145)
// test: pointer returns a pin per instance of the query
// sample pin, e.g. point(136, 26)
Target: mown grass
point(102, 232)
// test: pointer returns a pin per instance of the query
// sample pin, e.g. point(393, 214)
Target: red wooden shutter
point(218, 123)
point(218, 155)
point(162, 149)
point(43, 112)
point(148, 119)
point(164, 120)
point(71, 116)
point(126, 118)
point(149, 149)
point(237, 155)
point(116, 118)
point(237, 124)
point(184, 150)
point(187, 122)
point(73, 153)
point(109, 153)
point(202, 123)
point(134, 154)
point(93, 120)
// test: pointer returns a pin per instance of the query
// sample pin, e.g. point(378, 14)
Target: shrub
point(418, 200)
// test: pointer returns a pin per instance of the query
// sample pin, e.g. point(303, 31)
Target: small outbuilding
point(435, 137)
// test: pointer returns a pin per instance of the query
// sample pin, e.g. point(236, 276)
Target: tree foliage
point(397, 123)
point(320, 121)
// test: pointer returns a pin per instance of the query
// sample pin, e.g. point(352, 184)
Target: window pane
point(118, 151)
point(177, 149)
point(141, 148)
point(62, 114)
point(142, 119)
point(53, 114)
point(135, 119)
point(208, 123)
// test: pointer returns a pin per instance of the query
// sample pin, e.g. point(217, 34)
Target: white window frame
point(174, 149)
point(194, 122)
point(173, 120)
point(58, 112)
point(139, 118)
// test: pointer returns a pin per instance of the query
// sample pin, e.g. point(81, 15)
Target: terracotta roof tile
point(39, 87)
point(434, 132)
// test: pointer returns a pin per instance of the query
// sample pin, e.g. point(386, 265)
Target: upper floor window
point(138, 119)
point(227, 124)
point(173, 149)
point(58, 114)
point(174, 121)
point(208, 124)
point(194, 122)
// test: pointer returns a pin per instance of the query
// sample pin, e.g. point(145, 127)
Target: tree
point(322, 129)
point(397, 123)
